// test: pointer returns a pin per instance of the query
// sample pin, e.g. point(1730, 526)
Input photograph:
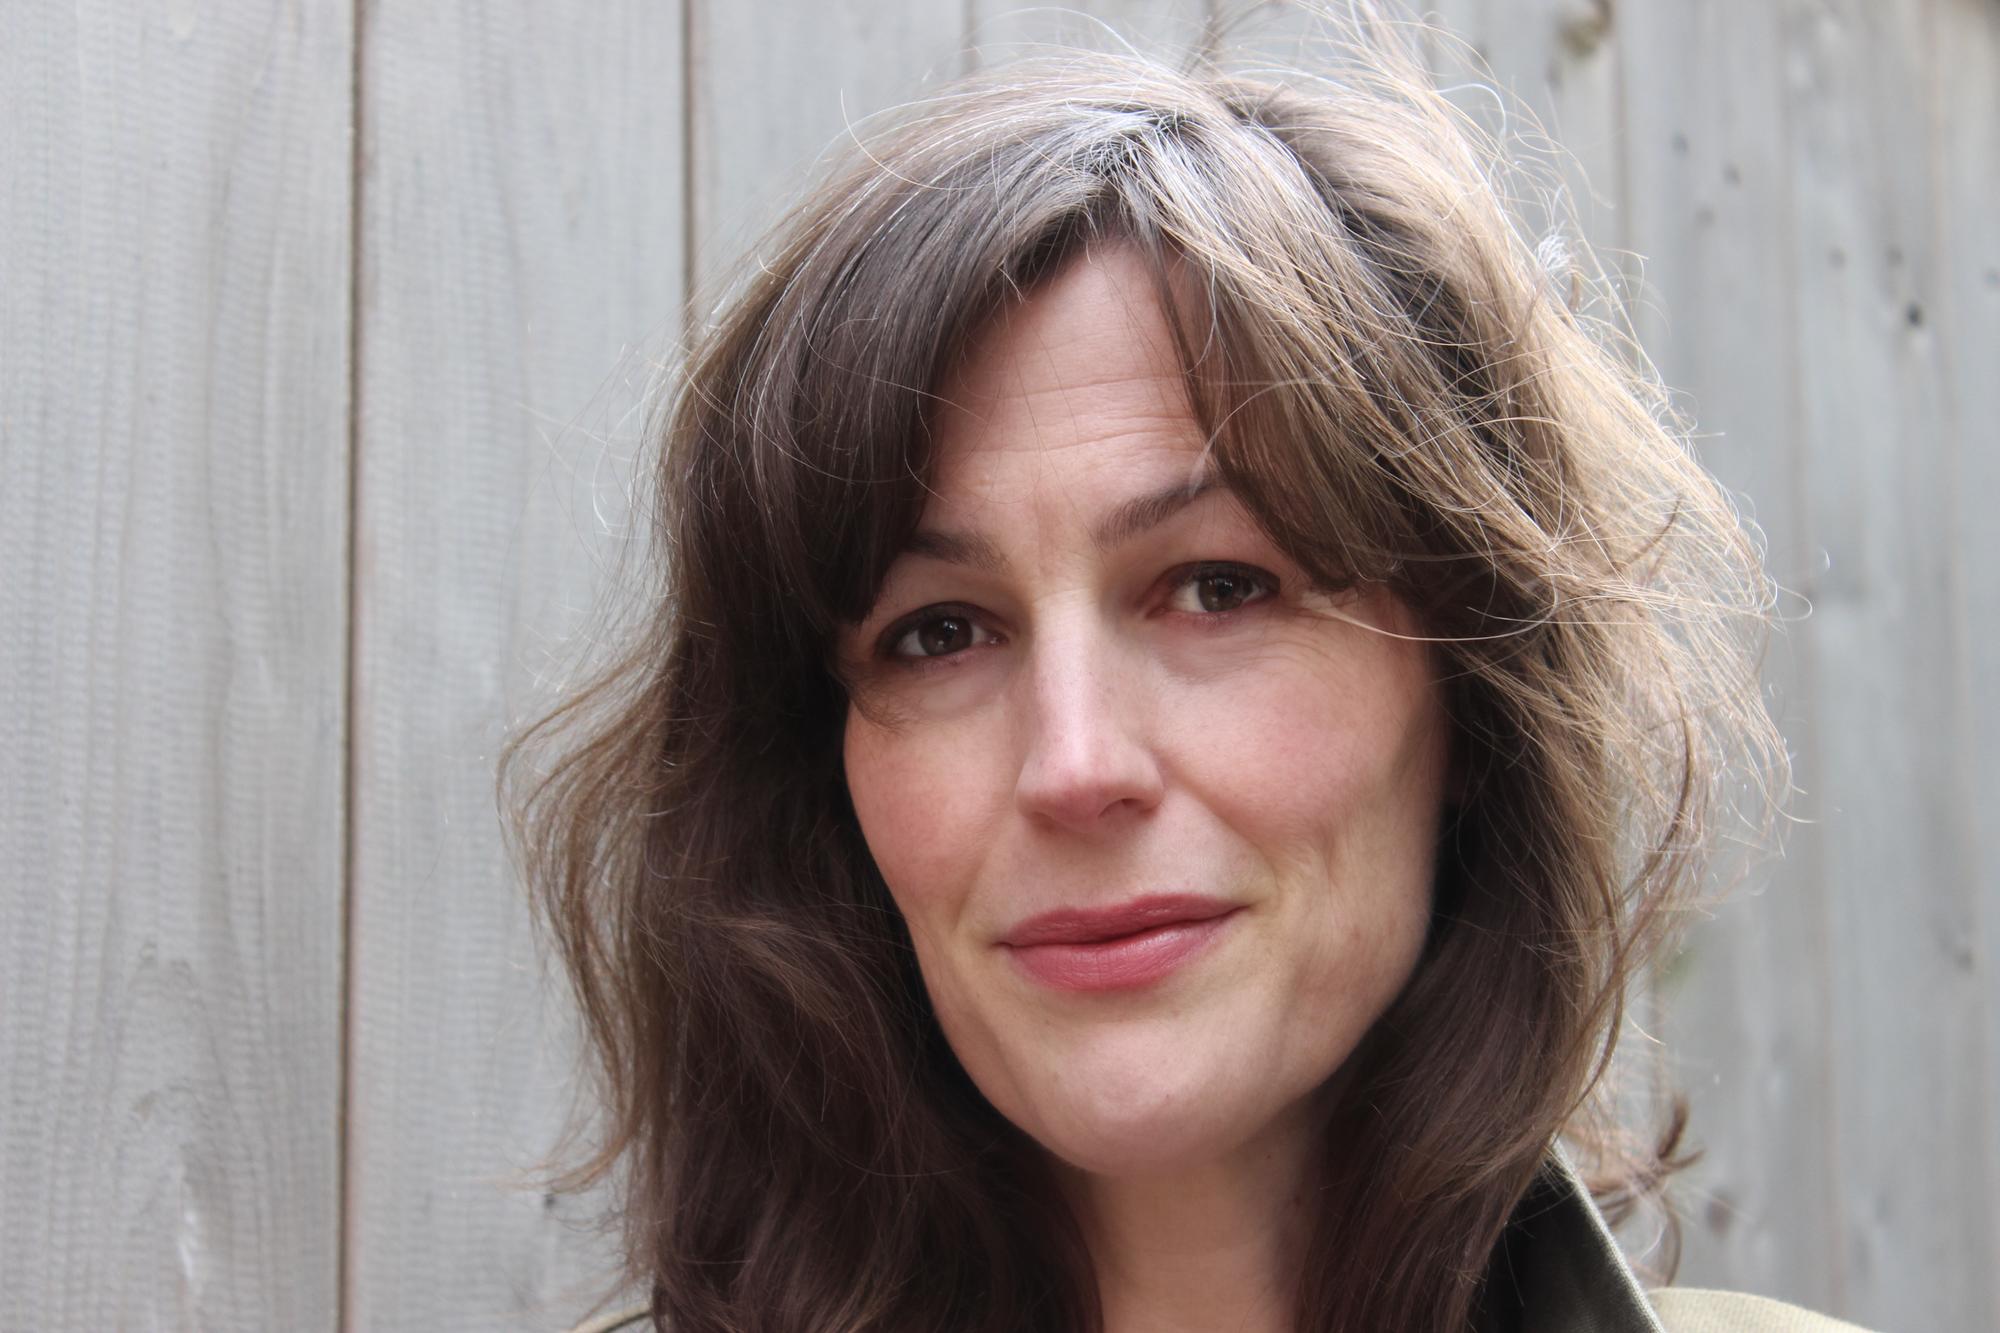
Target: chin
point(1114, 1154)
point(1107, 1125)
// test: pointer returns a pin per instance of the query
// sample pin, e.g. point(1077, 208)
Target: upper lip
point(1079, 925)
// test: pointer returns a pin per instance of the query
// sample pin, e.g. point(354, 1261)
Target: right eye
point(933, 633)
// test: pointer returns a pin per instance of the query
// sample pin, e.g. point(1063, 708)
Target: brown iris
point(1223, 590)
point(944, 634)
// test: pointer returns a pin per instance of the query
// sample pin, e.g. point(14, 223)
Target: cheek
point(925, 807)
point(1316, 758)
point(923, 812)
point(1334, 772)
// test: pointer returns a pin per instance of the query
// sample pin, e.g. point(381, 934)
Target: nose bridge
point(1088, 749)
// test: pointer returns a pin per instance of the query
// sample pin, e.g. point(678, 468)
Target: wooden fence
point(324, 332)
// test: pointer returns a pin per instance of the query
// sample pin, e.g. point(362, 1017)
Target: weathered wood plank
point(1965, 114)
point(1002, 30)
point(521, 240)
point(1557, 62)
point(174, 242)
point(1746, 1021)
point(1878, 493)
point(834, 63)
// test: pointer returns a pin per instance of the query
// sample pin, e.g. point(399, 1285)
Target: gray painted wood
point(1838, 1015)
point(1269, 39)
point(1001, 30)
point(1914, 1243)
point(1811, 184)
point(837, 63)
point(521, 248)
point(1965, 108)
point(1746, 1006)
point(1555, 69)
point(173, 474)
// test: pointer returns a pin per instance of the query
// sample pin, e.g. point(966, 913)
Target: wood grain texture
point(752, 152)
point(1965, 109)
point(520, 249)
point(1556, 70)
point(1002, 30)
point(1811, 185)
point(1877, 491)
point(1838, 1014)
point(174, 217)
point(1746, 1005)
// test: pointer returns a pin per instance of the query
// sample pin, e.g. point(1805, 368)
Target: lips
point(1095, 925)
point(1122, 947)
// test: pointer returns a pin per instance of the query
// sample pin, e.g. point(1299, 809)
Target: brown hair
point(1399, 391)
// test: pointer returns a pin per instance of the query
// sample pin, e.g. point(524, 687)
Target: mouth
point(1097, 925)
point(1123, 947)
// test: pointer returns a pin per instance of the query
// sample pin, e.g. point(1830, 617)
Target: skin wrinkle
point(1129, 520)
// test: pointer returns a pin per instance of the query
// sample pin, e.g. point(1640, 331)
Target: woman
point(1185, 678)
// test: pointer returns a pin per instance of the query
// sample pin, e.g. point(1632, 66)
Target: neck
point(1204, 1246)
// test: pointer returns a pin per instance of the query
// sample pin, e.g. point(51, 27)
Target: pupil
point(946, 634)
point(1221, 592)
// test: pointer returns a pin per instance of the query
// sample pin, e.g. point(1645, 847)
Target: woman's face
point(1160, 817)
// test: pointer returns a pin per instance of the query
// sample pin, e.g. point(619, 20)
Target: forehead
point(1082, 377)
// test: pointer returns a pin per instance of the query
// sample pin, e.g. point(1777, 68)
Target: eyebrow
point(1129, 520)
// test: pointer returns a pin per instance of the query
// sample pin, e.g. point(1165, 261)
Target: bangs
point(1280, 324)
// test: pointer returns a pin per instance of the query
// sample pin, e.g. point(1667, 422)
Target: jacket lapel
point(1566, 1271)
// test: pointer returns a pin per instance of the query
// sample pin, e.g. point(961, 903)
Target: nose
point(1088, 757)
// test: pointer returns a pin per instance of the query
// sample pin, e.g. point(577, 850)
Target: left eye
point(939, 634)
point(1213, 589)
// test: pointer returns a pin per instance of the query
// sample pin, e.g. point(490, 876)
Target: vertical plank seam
point(689, 177)
point(344, 1156)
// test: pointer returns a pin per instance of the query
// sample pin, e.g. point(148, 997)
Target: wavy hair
point(1399, 390)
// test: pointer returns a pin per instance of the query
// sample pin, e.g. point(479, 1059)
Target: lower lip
point(1124, 963)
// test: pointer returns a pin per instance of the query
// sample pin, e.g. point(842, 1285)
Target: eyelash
point(1266, 587)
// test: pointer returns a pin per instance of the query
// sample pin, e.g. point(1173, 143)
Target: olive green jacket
point(1567, 1276)
point(1571, 1277)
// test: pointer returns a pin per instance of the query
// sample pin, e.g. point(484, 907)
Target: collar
point(1566, 1272)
